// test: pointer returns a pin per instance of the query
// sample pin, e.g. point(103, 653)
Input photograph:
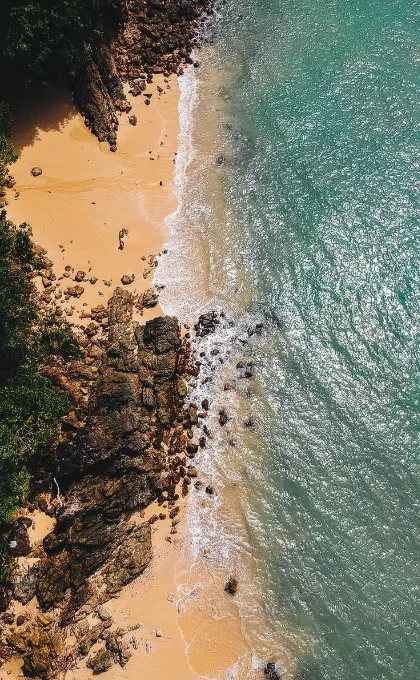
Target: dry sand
point(76, 209)
point(87, 194)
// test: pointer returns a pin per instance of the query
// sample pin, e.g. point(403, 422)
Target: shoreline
point(71, 227)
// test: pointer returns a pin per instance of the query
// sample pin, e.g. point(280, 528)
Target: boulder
point(36, 171)
point(150, 297)
point(207, 324)
point(19, 543)
point(24, 586)
point(102, 661)
point(75, 291)
point(103, 613)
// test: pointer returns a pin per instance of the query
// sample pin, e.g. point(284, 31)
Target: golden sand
point(86, 194)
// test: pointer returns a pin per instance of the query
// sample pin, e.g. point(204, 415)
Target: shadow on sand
point(39, 108)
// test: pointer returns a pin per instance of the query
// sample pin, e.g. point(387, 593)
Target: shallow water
point(310, 223)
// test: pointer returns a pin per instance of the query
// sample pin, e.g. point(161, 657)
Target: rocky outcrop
point(40, 645)
point(115, 464)
point(135, 39)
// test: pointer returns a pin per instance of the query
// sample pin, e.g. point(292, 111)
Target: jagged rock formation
point(114, 465)
point(136, 39)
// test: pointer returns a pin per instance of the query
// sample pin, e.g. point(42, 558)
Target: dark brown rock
point(232, 586)
point(102, 661)
point(19, 543)
point(36, 171)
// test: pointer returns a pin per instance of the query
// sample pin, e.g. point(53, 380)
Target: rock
point(132, 120)
point(42, 649)
point(103, 613)
point(126, 279)
point(19, 543)
point(171, 597)
point(173, 513)
point(150, 298)
point(17, 641)
point(43, 620)
point(113, 465)
point(192, 446)
point(75, 291)
point(209, 490)
point(206, 324)
point(124, 652)
point(80, 276)
point(231, 586)
point(205, 404)
point(102, 661)
point(36, 171)
point(130, 560)
point(123, 232)
point(273, 671)
point(223, 417)
point(20, 620)
point(5, 598)
point(9, 618)
point(24, 586)
point(148, 647)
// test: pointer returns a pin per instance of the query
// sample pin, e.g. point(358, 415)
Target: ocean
point(298, 184)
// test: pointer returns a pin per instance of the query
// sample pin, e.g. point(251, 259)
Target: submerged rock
point(207, 324)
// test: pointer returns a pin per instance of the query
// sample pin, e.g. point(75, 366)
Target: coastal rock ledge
point(114, 465)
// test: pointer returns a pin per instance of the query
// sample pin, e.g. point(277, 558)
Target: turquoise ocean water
point(310, 223)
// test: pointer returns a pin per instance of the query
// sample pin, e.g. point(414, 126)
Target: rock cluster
point(40, 644)
point(117, 463)
point(132, 43)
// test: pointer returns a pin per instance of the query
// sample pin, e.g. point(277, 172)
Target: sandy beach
point(77, 208)
point(87, 195)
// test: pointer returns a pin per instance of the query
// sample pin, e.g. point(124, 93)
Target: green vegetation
point(30, 405)
point(39, 40)
point(7, 154)
point(47, 38)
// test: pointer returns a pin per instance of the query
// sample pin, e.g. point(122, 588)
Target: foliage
point(30, 405)
point(7, 154)
point(46, 38)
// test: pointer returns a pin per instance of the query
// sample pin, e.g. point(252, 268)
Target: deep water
point(316, 123)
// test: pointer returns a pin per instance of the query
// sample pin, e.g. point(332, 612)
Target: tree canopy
point(30, 405)
point(45, 38)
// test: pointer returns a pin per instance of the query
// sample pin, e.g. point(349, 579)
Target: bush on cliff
point(30, 405)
